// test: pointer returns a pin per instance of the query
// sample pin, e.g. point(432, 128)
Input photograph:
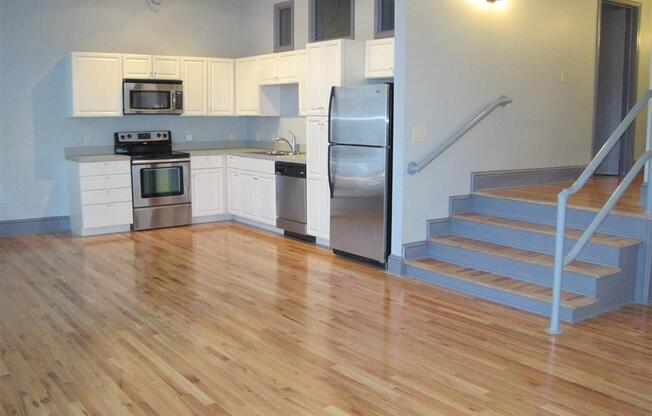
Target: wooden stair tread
point(541, 198)
point(610, 240)
point(506, 284)
point(580, 267)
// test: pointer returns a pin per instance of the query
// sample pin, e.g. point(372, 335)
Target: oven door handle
point(158, 161)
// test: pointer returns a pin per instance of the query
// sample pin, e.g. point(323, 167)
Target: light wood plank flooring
point(592, 197)
point(222, 319)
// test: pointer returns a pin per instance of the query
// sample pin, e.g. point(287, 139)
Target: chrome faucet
point(292, 142)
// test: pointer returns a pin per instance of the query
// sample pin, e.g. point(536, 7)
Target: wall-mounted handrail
point(564, 195)
point(414, 167)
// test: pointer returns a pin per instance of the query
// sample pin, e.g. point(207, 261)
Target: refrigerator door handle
point(330, 112)
point(328, 168)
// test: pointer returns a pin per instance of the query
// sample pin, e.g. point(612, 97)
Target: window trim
point(313, 26)
point(277, 26)
point(378, 33)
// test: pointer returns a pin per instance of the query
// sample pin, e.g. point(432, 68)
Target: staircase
point(502, 250)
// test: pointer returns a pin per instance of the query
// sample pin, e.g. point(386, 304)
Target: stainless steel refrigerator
point(360, 171)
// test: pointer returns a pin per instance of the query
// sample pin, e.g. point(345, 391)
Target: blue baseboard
point(47, 225)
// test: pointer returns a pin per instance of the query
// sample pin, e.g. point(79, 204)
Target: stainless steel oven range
point(160, 179)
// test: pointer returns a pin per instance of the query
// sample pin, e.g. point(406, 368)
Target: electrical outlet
point(419, 135)
point(188, 137)
point(88, 140)
point(45, 201)
point(563, 77)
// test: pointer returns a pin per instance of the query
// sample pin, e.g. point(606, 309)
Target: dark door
point(616, 83)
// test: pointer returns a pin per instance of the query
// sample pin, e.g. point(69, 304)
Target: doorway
point(617, 62)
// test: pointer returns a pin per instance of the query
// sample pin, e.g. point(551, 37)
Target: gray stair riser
point(491, 294)
point(547, 214)
point(533, 241)
point(528, 272)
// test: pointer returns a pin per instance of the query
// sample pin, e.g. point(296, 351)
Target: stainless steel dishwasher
point(291, 204)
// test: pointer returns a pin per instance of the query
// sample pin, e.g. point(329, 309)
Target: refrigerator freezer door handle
point(328, 168)
point(330, 111)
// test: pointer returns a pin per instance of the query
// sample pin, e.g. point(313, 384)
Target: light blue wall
point(260, 40)
point(36, 35)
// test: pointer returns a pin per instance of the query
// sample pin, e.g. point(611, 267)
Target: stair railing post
point(648, 166)
point(560, 237)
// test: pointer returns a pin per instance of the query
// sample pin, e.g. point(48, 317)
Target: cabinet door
point(207, 192)
point(288, 68)
point(315, 58)
point(193, 72)
point(137, 66)
point(331, 73)
point(167, 67)
point(325, 208)
point(269, 69)
point(249, 206)
point(267, 198)
point(314, 138)
point(233, 185)
point(96, 84)
point(302, 62)
point(247, 89)
point(220, 87)
point(379, 58)
point(314, 204)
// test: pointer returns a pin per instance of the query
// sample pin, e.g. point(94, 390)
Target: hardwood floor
point(592, 197)
point(222, 319)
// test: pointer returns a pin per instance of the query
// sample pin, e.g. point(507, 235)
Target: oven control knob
point(122, 136)
point(158, 134)
point(128, 136)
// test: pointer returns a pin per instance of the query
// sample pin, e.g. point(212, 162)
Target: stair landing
point(592, 197)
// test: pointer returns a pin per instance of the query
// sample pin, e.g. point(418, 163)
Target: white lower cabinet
point(100, 197)
point(318, 188)
point(233, 184)
point(208, 196)
point(252, 189)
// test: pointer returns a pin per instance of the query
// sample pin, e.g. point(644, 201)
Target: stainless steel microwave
point(152, 96)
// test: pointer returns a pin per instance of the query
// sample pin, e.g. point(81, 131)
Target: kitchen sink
point(274, 153)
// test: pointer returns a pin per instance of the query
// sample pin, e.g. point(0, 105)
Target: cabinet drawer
point(107, 215)
point(92, 183)
point(105, 168)
point(105, 196)
point(206, 162)
point(251, 164)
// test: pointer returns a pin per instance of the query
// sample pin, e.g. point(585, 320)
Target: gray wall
point(260, 40)
point(454, 57)
point(35, 37)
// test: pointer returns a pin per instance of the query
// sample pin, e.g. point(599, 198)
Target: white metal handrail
point(564, 195)
point(414, 167)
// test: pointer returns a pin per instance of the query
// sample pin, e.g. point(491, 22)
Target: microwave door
point(152, 97)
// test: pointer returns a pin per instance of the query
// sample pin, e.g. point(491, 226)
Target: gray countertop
point(98, 158)
point(242, 152)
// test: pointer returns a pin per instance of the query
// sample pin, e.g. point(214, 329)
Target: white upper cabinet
point(137, 66)
point(247, 99)
point(167, 67)
point(221, 88)
point(379, 58)
point(279, 68)
point(302, 60)
point(195, 91)
point(251, 99)
point(288, 67)
point(330, 64)
point(151, 67)
point(96, 84)
point(269, 69)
